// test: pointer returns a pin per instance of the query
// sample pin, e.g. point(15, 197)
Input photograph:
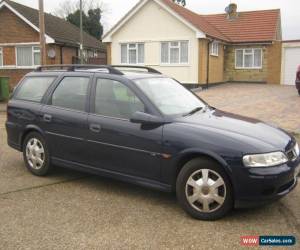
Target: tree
point(91, 16)
point(181, 2)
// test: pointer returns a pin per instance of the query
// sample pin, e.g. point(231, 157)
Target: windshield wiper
point(195, 110)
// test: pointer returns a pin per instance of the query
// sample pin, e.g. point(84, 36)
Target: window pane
point(174, 44)
point(248, 61)
point(141, 53)
point(24, 56)
point(239, 58)
point(34, 88)
point(37, 58)
point(132, 56)
point(257, 58)
point(184, 52)
point(71, 93)
point(165, 52)
point(124, 53)
point(174, 55)
point(114, 99)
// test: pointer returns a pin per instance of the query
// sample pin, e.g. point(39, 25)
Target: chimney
point(232, 11)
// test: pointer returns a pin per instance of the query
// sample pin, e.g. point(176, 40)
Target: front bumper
point(259, 186)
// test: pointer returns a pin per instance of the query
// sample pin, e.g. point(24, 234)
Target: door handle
point(96, 128)
point(47, 118)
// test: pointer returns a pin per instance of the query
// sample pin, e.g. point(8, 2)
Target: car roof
point(127, 71)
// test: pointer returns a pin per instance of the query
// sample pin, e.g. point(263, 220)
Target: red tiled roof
point(251, 26)
point(195, 19)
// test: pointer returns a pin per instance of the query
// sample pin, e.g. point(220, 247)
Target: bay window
point(132, 53)
point(28, 56)
point(175, 52)
point(248, 58)
point(1, 57)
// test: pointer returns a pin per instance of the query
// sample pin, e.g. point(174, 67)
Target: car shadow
point(146, 196)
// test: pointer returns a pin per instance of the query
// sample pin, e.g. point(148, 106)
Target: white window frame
point(247, 53)
point(34, 49)
point(169, 53)
point(214, 48)
point(136, 48)
point(1, 57)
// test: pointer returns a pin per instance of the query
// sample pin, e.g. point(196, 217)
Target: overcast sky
point(115, 9)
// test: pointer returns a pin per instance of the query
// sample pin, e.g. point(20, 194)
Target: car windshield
point(170, 97)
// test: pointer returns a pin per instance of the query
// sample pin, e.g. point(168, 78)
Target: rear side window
point(71, 93)
point(34, 88)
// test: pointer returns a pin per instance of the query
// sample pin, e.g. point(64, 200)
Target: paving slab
point(275, 104)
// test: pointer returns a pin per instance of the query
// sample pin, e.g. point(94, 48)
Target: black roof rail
point(74, 67)
point(149, 69)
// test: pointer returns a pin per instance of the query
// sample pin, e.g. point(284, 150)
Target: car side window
point(34, 88)
point(114, 99)
point(71, 93)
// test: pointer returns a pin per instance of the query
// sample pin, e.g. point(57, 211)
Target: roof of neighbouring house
point(251, 26)
point(57, 28)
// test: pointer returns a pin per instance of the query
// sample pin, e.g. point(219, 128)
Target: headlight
point(265, 160)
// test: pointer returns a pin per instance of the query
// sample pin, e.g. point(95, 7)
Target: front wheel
point(204, 190)
point(36, 155)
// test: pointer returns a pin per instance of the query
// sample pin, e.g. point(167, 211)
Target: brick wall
point(9, 55)
point(244, 75)
point(15, 30)
point(274, 62)
point(271, 65)
point(68, 54)
point(14, 75)
point(56, 59)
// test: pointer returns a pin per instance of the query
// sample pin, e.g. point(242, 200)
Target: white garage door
point(291, 63)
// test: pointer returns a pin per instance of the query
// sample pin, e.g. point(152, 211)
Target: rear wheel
point(203, 189)
point(36, 154)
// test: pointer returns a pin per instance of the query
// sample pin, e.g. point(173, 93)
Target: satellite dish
point(51, 53)
point(227, 9)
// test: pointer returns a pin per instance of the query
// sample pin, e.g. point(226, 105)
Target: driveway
point(274, 104)
point(70, 210)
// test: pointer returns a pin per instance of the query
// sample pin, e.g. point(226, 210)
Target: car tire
point(299, 92)
point(36, 154)
point(203, 189)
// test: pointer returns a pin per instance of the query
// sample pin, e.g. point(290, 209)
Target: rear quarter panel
point(21, 116)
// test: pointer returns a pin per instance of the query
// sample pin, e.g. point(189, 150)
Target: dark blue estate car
point(142, 127)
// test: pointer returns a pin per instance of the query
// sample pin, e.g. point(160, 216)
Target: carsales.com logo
point(268, 240)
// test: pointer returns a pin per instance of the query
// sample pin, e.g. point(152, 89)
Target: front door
point(115, 143)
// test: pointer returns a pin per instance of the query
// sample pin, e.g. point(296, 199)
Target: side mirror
point(143, 118)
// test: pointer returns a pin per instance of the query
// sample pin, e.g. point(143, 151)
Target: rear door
point(115, 143)
point(64, 118)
